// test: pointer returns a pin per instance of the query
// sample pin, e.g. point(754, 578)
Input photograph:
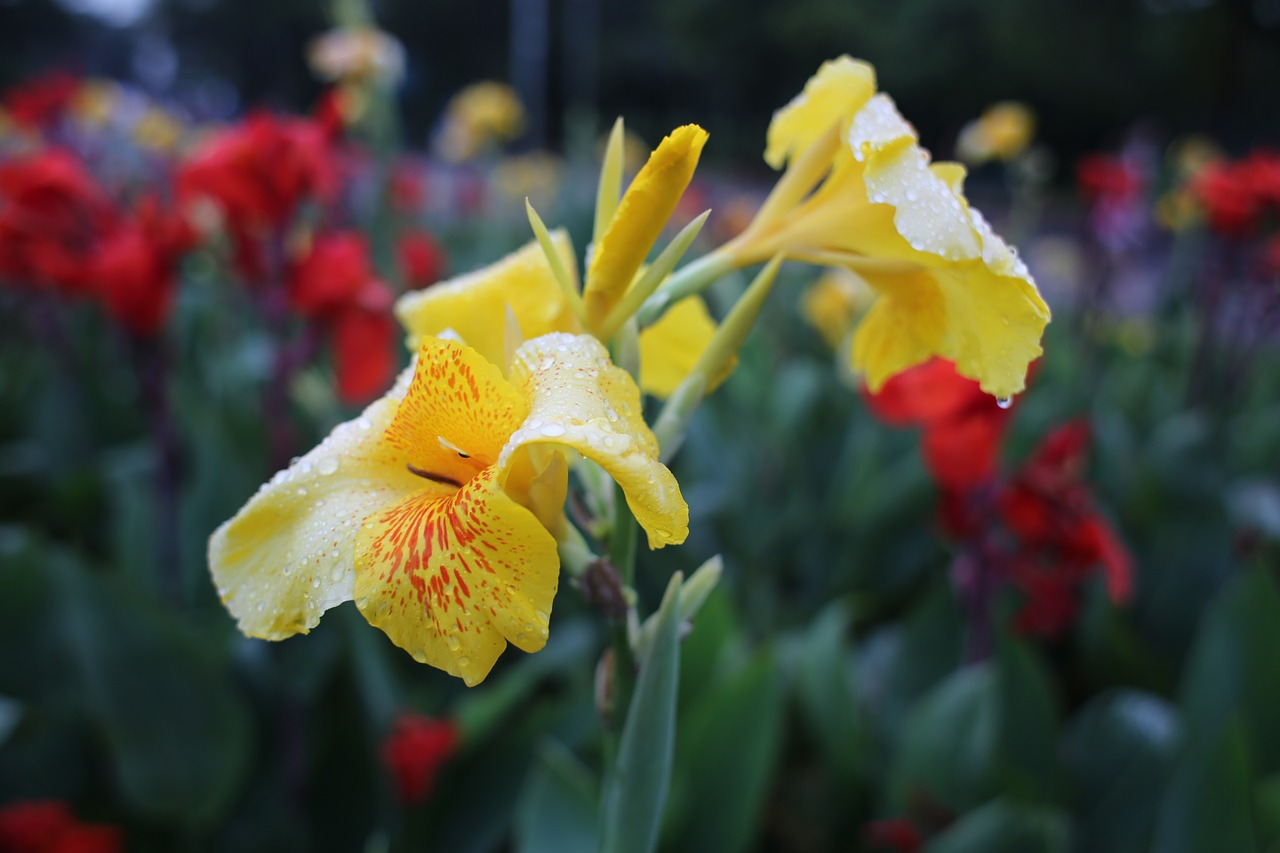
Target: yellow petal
point(903, 328)
point(830, 97)
point(832, 302)
point(579, 399)
point(642, 214)
point(288, 555)
point(473, 305)
point(456, 415)
point(452, 579)
point(671, 347)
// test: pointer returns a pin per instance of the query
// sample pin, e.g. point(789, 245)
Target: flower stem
point(690, 279)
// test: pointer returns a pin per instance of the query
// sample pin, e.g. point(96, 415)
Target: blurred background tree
point(1090, 68)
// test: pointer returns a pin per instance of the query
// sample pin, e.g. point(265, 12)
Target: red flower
point(335, 284)
point(422, 261)
point(134, 267)
point(1230, 198)
point(39, 103)
point(407, 190)
point(415, 751)
point(47, 826)
point(1061, 538)
point(963, 425)
point(893, 834)
point(1105, 177)
point(257, 173)
point(52, 214)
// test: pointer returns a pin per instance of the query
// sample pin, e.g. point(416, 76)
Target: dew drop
point(364, 423)
point(1004, 402)
point(452, 641)
point(335, 553)
point(553, 430)
point(464, 661)
point(327, 465)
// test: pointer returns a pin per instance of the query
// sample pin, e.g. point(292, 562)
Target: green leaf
point(825, 693)
point(1028, 732)
point(946, 747)
point(557, 809)
point(636, 792)
point(1207, 804)
point(1119, 751)
point(1232, 669)
point(1266, 800)
point(726, 754)
point(1001, 827)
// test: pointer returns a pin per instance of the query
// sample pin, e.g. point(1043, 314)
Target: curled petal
point(579, 399)
point(287, 556)
point(830, 97)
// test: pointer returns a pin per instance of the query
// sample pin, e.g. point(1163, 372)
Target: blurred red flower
point(408, 187)
point(1230, 202)
point(422, 260)
point(134, 267)
point(47, 826)
point(895, 834)
point(1101, 177)
point(257, 173)
point(415, 751)
point(40, 102)
point(963, 425)
point(1061, 538)
point(52, 214)
point(335, 285)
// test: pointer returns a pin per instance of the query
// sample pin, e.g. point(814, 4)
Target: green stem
point(692, 278)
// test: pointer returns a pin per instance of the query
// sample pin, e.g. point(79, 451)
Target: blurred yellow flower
point(1002, 132)
point(535, 176)
point(430, 510)
point(357, 55)
point(833, 302)
point(478, 117)
point(95, 101)
point(859, 192)
point(158, 130)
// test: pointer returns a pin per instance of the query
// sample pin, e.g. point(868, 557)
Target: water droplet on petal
point(327, 465)
point(1004, 402)
point(553, 430)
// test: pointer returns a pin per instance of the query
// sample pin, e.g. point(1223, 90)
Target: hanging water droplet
point(1004, 402)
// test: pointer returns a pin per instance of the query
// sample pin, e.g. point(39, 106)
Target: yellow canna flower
point(639, 219)
point(833, 302)
point(430, 510)
point(157, 130)
point(1002, 132)
point(861, 193)
point(472, 306)
point(478, 116)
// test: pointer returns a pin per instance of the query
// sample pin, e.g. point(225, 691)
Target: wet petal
point(288, 555)
point(473, 305)
point(830, 97)
point(671, 347)
point(452, 579)
point(641, 215)
point(579, 399)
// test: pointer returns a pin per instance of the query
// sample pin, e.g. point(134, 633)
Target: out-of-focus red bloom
point(335, 285)
point(1061, 537)
point(1106, 176)
point(38, 103)
point(47, 826)
point(415, 751)
point(257, 173)
point(893, 834)
point(1230, 202)
point(422, 261)
point(134, 268)
point(408, 189)
point(52, 214)
point(963, 425)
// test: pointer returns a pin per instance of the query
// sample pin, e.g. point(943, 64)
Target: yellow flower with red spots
point(435, 509)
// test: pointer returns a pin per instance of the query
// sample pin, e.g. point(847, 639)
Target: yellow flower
point(157, 130)
point(535, 175)
point(471, 308)
point(833, 302)
point(861, 193)
point(1002, 132)
point(431, 509)
point(95, 100)
point(357, 54)
point(478, 116)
